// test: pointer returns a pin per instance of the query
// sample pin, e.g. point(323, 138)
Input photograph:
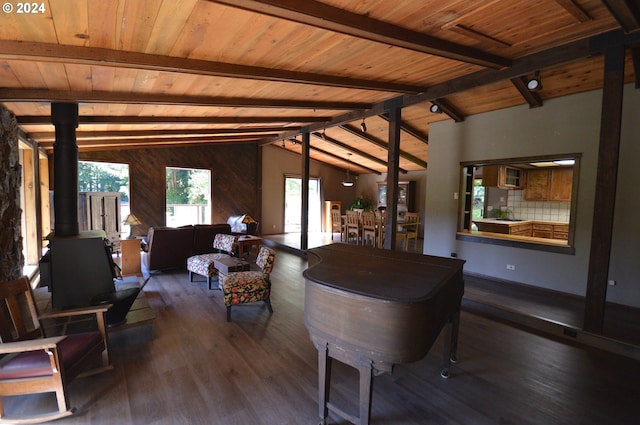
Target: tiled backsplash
point(543, 211)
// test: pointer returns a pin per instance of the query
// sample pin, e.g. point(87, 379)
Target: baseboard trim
point(550, 328)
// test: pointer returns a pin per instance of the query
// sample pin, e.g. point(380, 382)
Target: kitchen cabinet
point(548, 184)
point(561, 231)
point(560, 184)
point(530, 228)
point(537, 185)
point(505, 227)
point(502, 176)
point(523, 229)
point(541, 230)
point(101, 211)
point(406, 195)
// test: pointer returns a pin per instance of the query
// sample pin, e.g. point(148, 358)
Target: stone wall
point(11, 258)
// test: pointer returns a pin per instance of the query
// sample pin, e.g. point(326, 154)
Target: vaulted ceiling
point(157, 73)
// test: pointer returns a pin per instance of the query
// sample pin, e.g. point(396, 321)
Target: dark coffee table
point(230, 265)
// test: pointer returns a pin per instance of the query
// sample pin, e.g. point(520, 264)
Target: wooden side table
point(246, 242)
point(130, 257)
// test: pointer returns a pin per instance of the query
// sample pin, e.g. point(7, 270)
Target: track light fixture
point(363, 126)
point(534, 83)
point(348, 182)
point(435, 108)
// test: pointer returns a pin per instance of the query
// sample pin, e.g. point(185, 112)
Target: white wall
point(276, 163)
point(565, 125)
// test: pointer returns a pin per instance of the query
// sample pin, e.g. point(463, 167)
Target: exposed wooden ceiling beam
point(352, 164)
point(382, 144)
point(351, 149)
point(626, 12)
point(66, 54)
point(448, 109)
point(533, 99)
point(331, 18)
point(575, 10)
point(129, 119)
point(159, 141)
point(159, 134)
point(554, 57)
point(42, 95)
point(409, 130)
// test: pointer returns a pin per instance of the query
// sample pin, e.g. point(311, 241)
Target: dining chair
point(336, 222)
point(408, 229)
point(353, 226)
point(369, 228)
point(381, 216)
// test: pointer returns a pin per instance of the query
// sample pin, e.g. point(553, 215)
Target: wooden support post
point(606, 181)
point(304, 228)
point(391, 219)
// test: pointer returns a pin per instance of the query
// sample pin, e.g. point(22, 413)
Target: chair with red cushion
point(31, 363)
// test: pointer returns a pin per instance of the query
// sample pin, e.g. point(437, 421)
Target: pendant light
point(348, 182)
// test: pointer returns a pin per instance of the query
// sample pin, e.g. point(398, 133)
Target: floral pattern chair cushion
point(250, 286)
point(204, 264)
point(226, 243)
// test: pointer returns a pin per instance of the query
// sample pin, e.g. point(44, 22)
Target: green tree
point(103, 177)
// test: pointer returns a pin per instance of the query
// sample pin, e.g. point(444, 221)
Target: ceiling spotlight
point(534, 84)
point(363, 127)
point(435, 108)
point(348, 182)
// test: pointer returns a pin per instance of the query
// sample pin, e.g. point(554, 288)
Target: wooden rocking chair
point(31, 363)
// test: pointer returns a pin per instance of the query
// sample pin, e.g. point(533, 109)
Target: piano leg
point(451, 343)
point(324, 382)
point(366, 387)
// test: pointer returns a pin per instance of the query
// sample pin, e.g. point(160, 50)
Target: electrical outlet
point(274, 226)
point(511, 267)
point(612, 282)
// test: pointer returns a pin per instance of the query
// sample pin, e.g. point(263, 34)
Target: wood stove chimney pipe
point(64, 116)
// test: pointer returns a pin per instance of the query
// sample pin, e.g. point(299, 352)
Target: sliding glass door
point(293, 205)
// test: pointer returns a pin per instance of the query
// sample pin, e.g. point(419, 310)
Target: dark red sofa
point(169, 247)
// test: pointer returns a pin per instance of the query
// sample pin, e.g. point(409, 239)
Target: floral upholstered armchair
point(250, 286)
point(204, 264)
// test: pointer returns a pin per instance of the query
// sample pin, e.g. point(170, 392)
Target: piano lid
point(380, 273)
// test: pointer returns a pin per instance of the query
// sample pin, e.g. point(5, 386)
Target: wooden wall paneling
point(29, 208)
point(234, 169)
point(45, 203)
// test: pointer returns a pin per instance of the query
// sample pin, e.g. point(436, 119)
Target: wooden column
point(391, 220)
point(605, 196)
point(304, 223)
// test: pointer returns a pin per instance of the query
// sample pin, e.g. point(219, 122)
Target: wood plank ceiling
point(161, 73)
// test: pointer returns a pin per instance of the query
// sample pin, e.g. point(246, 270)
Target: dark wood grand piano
point(372, 308)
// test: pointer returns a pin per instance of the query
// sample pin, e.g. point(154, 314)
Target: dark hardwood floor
point(262, 369)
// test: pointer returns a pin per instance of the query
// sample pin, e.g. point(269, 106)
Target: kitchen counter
point(510, 221)
point(527, 228)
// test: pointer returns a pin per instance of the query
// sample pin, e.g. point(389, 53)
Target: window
point(106, 177)
point(521, 202)
point(188, 197)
